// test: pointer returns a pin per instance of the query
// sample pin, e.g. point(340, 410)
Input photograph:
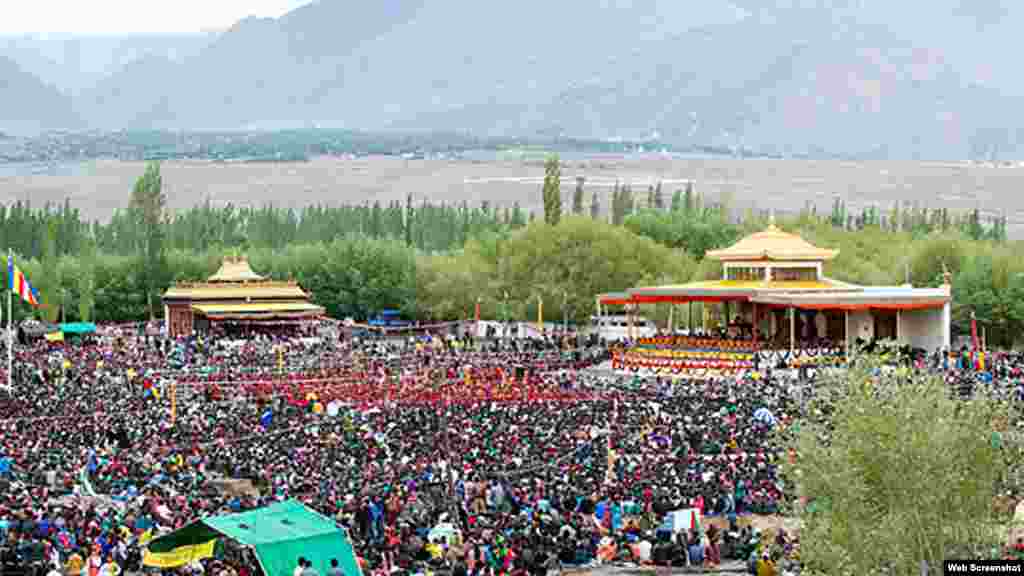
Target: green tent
point(279, 534)
point(78, 328)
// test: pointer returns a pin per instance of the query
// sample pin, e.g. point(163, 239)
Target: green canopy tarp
point(279, 534)
point(78, 328)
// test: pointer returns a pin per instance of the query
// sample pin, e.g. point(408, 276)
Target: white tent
point(681, 520)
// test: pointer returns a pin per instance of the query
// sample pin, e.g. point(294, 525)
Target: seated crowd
point(532, 458)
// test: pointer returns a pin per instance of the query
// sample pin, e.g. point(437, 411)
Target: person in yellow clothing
point(74, 564)
point(765, 566)
point(435, 550)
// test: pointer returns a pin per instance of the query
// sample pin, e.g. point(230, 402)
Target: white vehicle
point(484, 328)
point(616, 327)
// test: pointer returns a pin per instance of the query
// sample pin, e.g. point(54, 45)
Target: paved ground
point(729, 568)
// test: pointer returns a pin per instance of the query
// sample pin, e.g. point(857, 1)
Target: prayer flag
point(18, 283)
point(179, 556)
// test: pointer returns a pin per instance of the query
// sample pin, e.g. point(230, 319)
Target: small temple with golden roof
point(774, 291)
point(235, 295)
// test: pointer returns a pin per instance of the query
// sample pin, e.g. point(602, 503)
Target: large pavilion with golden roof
point(774, 291)
point(235, 295)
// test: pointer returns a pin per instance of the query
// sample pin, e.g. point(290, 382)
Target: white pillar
point(847, 320)
point(946, 321)
point(792, 331)
point(754, 324)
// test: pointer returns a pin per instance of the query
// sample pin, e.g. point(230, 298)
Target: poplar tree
point(87, 281)
point(551, 192)
point(518, 221)
point(577, 197)
point(409, 220)
point(147, 211)
point(659, 199)
point(677, 201)
point(48, 284)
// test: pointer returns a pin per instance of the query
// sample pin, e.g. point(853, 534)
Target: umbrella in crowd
point(764, 416)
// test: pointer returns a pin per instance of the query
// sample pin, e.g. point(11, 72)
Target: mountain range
point(842, 77)
point(28, 105)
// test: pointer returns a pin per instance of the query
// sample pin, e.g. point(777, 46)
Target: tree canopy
point(448, 245)
point(896, 471)
point(571, 262)
point(693, 231)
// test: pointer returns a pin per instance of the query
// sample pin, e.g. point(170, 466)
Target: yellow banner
point(55, 337)
point(179, 556)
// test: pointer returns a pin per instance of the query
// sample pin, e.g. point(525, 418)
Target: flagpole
point(1, 324)
point(10, 337)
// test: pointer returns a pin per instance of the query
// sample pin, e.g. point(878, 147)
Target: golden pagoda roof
point(235, 291)
point(235, 280)
point(264, 310)
point(773, 244)
point(736, 289)
point(235, 269)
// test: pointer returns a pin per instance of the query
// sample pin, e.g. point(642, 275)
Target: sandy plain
point(98, 187)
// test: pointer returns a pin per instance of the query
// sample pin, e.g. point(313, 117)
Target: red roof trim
point(615, 301)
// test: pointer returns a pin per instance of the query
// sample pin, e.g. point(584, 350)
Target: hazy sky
point(132, 16)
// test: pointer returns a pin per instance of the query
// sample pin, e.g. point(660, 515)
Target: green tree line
point(919, 219)
point(564, 265)
point(435, 260)
point(427, 226)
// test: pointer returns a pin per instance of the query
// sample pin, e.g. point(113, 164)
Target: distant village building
point(236, 295)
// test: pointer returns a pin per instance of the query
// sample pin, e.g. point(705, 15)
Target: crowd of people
point(524, 455)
